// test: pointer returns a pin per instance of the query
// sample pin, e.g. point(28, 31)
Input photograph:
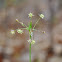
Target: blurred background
point(48, 46)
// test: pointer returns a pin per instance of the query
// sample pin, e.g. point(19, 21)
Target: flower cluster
point(18, 31)
point(31, 41)
point(29, 27)
point(31, 15)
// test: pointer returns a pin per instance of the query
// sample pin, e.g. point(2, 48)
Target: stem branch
point(36, 23)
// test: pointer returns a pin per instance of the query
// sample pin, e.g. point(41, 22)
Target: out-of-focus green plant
point(30, 29)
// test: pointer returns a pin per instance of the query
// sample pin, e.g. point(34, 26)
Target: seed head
point(33, 42)
point(41, 16)
point(20, 31)
point(30, 15)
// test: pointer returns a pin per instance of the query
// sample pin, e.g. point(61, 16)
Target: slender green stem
point(21, 23)
point(30, 43)
point(30, 53)
point(30, 50)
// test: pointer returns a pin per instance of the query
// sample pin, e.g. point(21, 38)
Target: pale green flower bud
point(33, 42)
point(20, 31)
point(12, 32)
point(41, 16)
point(30, 15)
